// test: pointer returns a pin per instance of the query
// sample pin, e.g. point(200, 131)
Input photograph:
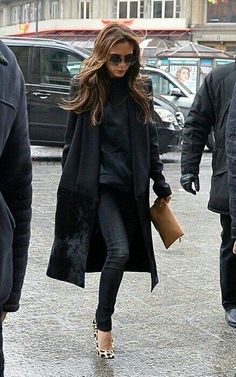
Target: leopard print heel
point(105, 354)
point(95, 328)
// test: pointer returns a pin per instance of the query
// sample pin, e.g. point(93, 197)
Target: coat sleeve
point(70, 128)
point(230, 149)
point(198, 125)
point(160, 187)
point(15, 186)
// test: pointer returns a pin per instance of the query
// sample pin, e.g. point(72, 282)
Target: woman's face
point(184, 74)
point(119, 60)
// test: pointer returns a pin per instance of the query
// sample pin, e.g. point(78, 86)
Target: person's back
point(210, 110)
point(15, 172)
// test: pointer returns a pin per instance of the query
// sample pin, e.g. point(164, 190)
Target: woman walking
point(110, 154)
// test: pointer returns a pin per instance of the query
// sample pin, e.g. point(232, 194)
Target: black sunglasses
point(115, 59)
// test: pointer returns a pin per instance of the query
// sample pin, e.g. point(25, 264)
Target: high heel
point(95, 328)
point(105, 354)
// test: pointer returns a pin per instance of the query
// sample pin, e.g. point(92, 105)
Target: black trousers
point(1, 353)
point(227, 265)
point(117, 218)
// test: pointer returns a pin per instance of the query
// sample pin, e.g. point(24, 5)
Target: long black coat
point(78, 244)
point(15, 181)
point(230, 147)
point(210, 110)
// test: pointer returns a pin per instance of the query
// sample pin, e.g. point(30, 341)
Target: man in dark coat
point(15, 186)
point(209, 111)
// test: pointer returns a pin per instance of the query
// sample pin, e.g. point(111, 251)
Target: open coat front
point(15, 181)
point(78, 245)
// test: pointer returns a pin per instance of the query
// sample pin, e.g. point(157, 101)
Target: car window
point(22, 56)
point(161, 85)
point(55, 66)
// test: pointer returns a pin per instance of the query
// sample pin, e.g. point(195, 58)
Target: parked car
point(170, 129)
point(48, 66)
point(165, 84)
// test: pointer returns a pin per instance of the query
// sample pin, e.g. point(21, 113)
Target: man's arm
point(230, 149)
point(198, 125)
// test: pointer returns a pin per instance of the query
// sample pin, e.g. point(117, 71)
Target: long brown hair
point(91, 85)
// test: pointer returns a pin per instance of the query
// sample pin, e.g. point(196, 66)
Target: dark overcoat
point(230, 147)
point(78, 245)
point(15, 181)
point(210, 111)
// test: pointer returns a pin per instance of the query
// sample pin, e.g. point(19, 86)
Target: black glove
point(187, 180)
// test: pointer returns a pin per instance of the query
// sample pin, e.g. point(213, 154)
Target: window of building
point(123, 6)
point(114, 8)
point(31, 12)
point(221, 11)
point(15, 15)
point(54, 9)
point(165, 8)
point(178, 9)
point(28, 12)
point(85, 9)
point(25, 13)
point(39, 11)
point(130, 9)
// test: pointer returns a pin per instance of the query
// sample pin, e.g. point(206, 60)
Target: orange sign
point(24, 27)
point(121, 21)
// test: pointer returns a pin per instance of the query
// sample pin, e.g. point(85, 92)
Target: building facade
point(209, 22)
point(83, 16)
point(213, 23)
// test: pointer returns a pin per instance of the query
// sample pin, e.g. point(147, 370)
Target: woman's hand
point(234, 247)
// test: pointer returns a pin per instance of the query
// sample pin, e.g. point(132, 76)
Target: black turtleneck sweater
point(116, 162)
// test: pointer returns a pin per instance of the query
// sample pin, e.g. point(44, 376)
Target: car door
point(171, 89)
point(50, 84)
point(23, 54)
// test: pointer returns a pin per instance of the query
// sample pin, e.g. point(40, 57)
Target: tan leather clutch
point(165, 221)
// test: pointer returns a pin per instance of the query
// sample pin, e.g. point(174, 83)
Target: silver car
point(166, 85)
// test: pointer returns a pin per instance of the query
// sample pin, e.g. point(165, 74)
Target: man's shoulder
point(223, 71)
point(9, 73)
point(6, 55)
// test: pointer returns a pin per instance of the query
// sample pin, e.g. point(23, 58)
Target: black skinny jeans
point(1, 352)
point(117, 218)
point(227, 265)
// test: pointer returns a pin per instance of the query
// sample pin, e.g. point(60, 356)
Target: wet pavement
point(177, 330)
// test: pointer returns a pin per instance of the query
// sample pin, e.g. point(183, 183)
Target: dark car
point(48, 66)
point(171, 125)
